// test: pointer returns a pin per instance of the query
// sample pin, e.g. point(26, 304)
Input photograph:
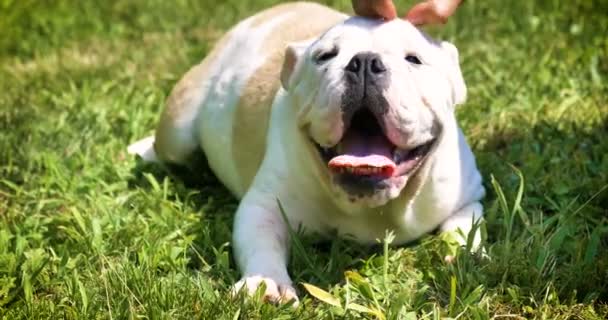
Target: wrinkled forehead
point(395, 36)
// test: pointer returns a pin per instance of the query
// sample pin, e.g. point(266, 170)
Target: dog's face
point(372, 98)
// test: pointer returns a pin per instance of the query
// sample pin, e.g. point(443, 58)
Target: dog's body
point(351, 130)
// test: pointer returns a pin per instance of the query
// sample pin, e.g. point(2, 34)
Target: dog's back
point(223, 104)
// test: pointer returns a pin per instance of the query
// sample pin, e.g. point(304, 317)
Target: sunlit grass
point(88, 232)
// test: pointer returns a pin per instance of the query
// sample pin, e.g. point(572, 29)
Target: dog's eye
point(412, 58)
point(326, 55)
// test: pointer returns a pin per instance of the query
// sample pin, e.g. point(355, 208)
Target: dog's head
point(372, 98)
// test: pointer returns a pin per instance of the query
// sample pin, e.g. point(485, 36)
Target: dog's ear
point(459, 88)
point(292, 63)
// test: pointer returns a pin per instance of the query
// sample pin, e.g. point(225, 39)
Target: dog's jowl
point(348, 122)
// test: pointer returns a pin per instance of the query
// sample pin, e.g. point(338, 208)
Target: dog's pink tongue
point(364, 156)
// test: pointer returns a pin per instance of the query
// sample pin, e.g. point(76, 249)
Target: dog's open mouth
point(365, 152)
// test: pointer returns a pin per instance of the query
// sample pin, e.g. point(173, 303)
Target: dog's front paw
point(453, 241)
point(274, 292)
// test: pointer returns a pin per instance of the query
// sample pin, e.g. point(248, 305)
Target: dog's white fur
point(257, 135)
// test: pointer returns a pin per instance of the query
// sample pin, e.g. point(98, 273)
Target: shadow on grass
point(559, 236)
point(563, 165)
point(213, 203)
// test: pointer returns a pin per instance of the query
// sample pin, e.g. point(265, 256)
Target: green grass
point(88, 232)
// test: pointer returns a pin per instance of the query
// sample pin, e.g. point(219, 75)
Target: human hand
point(432, 11)
point(426, 12)
point(375, 9)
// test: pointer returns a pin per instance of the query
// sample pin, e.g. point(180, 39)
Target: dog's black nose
point(366, 78)
point(366, 64)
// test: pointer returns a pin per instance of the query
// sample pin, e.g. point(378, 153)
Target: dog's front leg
point(261, 241)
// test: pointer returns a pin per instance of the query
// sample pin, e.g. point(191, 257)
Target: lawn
point(88, 232)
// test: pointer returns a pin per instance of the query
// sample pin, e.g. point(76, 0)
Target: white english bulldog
point(348, 122)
